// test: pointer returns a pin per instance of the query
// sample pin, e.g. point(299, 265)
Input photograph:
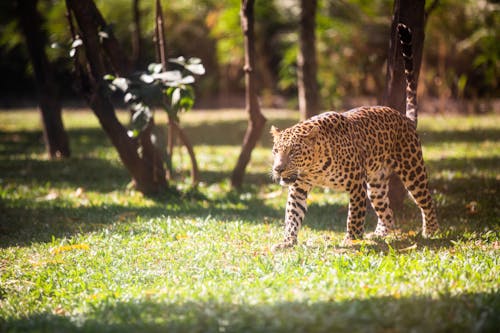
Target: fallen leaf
point(472, 207)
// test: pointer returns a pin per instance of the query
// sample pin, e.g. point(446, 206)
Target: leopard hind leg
point(413, 174)
point(378, 189)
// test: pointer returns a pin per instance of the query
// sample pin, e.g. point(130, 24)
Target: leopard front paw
point(380, 232)
point(350, 239)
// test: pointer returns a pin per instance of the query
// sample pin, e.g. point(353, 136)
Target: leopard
point(355, 151)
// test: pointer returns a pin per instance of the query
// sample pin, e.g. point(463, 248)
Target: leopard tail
point(411, 84)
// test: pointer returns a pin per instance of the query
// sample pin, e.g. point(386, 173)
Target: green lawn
point(81, 251)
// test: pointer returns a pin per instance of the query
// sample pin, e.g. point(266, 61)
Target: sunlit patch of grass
point(79, 251)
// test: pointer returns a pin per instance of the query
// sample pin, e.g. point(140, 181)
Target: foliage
point(463, 49)
point(460, 55)
point(76, 254)
point(171, 89)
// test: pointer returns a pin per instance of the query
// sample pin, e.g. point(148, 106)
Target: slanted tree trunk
point(139, 156)
point(411, 13)
point(55, 136)
point(256, 119)
point(306, 61)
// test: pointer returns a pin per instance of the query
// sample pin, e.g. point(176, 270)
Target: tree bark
point(411, 13)
point(256, 119)
point(139, 156)
point(55, 136)
point(306, 61)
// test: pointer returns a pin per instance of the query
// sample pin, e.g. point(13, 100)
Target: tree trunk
point(411, 13)
point(306, 61)
point(256, 119)
point(55, 136)
point(139, 156)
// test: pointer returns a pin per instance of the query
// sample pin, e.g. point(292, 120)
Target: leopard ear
point(274, 131)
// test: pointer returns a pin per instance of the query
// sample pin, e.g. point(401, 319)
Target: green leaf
point(155, 68)
point(129, 97)
point(179, 60)
point(146, 78)
point(109, 77)
point(194, 60)
point(176, 96)
point(141, 117)
point(76, 43)
point(133, 133)
point(197, 69)
point(168, 76)
point(462, 82)
point(103, 34)
point(121, 83)
point(186, 103)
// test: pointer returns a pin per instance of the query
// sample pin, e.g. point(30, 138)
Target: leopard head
point(293, 152)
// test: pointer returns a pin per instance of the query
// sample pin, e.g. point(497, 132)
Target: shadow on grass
point(463, 166)
point(24, 222)
point(92, 174)
point(472, 135)
point(479, 312)
point(83, 141)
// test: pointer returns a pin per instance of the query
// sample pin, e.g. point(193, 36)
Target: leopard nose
point(279, 168)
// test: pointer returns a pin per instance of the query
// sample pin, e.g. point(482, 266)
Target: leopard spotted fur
point(355, 151)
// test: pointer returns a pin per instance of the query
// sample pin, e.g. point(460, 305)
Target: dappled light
point(81, 250)
point(170, 166)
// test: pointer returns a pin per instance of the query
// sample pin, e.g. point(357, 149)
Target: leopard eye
point(293, 150)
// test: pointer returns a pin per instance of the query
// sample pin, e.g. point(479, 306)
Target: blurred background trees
point(460, 57)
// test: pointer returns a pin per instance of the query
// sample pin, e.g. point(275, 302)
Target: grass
point(80, 251)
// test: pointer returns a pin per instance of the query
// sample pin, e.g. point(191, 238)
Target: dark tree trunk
point(411, 13)
point(55, 136)
point(140, 157)
point(256, 119)
point(306, 61)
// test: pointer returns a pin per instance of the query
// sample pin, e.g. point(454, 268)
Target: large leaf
point(77, 42)
point(197, 69)
point(187, 80)
point(168, 76)
point(121, 83)
point(155, 68)
point(146, 78)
